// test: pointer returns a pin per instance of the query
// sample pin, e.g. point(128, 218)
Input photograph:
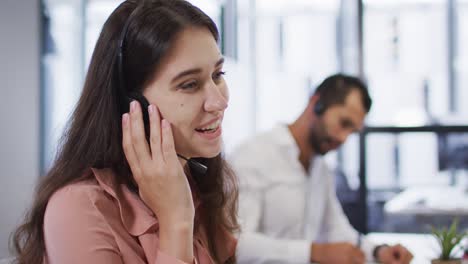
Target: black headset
point(127, 97)
point(319, 107)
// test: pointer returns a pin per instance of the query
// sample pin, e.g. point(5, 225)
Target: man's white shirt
point(282, 208)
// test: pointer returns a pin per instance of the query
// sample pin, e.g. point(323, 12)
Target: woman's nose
point(216, 100)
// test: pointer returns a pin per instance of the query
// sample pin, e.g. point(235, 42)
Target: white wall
point(19, 111)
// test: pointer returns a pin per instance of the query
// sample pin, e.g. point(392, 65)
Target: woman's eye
point(188, 85)
point(218, 75)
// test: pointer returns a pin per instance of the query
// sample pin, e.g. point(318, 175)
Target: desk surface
point(423, 247)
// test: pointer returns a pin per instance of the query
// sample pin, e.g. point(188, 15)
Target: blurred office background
point(413, 54)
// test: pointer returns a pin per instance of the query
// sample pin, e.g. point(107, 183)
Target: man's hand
point(396, 254)
point(343, 253)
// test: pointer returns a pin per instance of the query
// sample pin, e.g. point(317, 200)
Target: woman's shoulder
point(82, 200)
point(80, 221)
point(83, 191)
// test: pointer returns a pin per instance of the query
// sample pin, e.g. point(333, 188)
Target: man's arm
point(338, 228)
point(336, 224)
point(253, 246)
point(256, 248)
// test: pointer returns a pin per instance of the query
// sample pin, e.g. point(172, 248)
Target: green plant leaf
point(448, 239)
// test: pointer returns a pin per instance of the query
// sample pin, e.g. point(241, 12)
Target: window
point(412, 53)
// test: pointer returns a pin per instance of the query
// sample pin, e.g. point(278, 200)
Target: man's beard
point(317, 137)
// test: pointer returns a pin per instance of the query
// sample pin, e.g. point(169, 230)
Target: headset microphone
point(196, 166)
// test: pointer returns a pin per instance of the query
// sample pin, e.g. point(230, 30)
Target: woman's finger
point(168, 148)
point(139, 141)
point(155, 132)
point(128, 146)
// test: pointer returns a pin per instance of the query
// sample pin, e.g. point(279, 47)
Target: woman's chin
point(209, 153)
point(203, 151)
point(212, 155)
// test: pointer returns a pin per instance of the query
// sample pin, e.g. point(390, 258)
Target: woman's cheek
point(225, 91)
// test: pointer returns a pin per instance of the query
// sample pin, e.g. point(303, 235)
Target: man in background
point(289, 211)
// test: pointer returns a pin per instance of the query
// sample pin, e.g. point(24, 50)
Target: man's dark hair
point(334, 90)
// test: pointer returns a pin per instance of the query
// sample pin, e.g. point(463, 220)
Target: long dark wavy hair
point(93, 137)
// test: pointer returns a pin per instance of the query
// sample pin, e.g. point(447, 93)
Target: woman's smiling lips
point(211, 130)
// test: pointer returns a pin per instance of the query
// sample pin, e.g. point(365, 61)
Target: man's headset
point(127, 97)
point(319, 107)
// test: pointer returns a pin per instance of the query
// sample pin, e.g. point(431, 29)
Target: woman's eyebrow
point(195, 70)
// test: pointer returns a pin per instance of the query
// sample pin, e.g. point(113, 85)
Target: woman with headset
point(139, 176)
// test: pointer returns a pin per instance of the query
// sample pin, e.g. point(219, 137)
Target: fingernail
point(151, 109)
point(124, 120)
point(132, 106)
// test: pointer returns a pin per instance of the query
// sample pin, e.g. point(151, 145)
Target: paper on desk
point(429, 200)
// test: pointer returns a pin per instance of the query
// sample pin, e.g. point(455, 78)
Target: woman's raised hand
point(161, 180)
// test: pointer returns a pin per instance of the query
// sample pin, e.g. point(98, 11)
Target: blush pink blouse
point(98, 221)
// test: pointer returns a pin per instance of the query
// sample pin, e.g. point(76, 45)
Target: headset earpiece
point(319, 108)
